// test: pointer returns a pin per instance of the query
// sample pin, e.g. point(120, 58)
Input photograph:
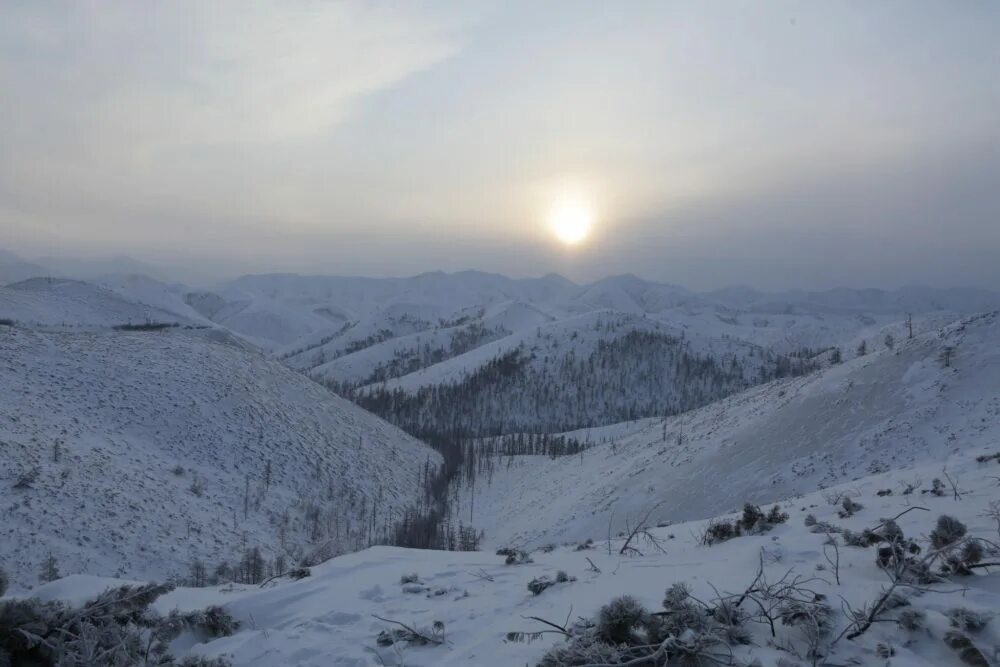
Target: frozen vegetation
point(620, 473)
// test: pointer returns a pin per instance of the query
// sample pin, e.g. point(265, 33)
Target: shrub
point(947, 532)
point(620, 619)
point(720, 530)
point(514, 556)
point(752, 515)
point(912, 619)
point(117, 626)
point(849, 508)
point(966, 619)
point(411, 578)
point(776, 516)
point(937, 488)
point(540, 584)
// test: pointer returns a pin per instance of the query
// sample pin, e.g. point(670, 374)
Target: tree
point(50, 570)
point(862, 348)
point(890, 342)
point(835, 356)
point(909, 325)
point(199, 574)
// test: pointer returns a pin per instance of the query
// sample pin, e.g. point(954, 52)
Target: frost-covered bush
point(912, 619)
point(751, 521)
point(848, 507)
point(776, 516)
point(410, 578)
point(514, 556)
point(620, 621)
point(947, 532)
point(966, 619)
point(538, 585)
point(117, 629)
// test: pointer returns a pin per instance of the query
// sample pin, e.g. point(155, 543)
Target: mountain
point(72, 303)
point(314, 309)
point(14, 269)
point(142, 452)
point(927, 399)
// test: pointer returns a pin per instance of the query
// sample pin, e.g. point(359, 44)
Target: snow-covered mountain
point(927, 399)
point(60, 302)
point(141, 452)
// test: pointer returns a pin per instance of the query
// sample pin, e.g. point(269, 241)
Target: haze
point(779, 144)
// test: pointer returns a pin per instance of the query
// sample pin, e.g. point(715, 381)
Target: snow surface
point(60, 302)
point(124, 409)
point(885, 411)
point(329, 617)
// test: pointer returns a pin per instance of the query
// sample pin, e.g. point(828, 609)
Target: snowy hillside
point(59, 302)
point(141, 452)
point(477, 611)
point(927, 399)
point(295, 314)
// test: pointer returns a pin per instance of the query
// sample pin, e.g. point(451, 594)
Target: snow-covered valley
point(152, 432)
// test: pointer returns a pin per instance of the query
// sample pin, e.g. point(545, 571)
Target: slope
point(56, 302)
point(335, 616)
point(142, 452)
point(928, 398)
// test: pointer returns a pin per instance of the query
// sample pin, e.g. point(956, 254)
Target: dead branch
point(641, 529)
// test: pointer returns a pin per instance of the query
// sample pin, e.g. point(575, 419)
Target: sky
point(774, 144)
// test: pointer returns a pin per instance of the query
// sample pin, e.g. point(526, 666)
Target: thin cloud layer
point(389, 138)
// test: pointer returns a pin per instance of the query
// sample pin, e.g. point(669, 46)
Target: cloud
point(147, 109)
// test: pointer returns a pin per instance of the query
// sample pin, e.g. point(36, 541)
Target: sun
point(571, 221)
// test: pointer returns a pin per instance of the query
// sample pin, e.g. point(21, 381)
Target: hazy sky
point(777, 144)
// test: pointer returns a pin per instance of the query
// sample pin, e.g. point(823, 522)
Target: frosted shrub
point(116, 629)
point(848, 507)
point(948, 531)
point(620, 619)
point(966, 619)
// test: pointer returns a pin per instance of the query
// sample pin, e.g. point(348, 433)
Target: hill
point(60, 302)
point(927, 399)
point(477, 610)
point(140, 453)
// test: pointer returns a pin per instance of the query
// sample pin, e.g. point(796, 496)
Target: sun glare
point(571, 222)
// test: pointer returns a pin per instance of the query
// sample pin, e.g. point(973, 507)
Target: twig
point(416, 634)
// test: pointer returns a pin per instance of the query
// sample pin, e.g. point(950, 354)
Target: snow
point(125, 409)
point(885, 411)
point(61, 302)
point(124, 426)
point(329, 618)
